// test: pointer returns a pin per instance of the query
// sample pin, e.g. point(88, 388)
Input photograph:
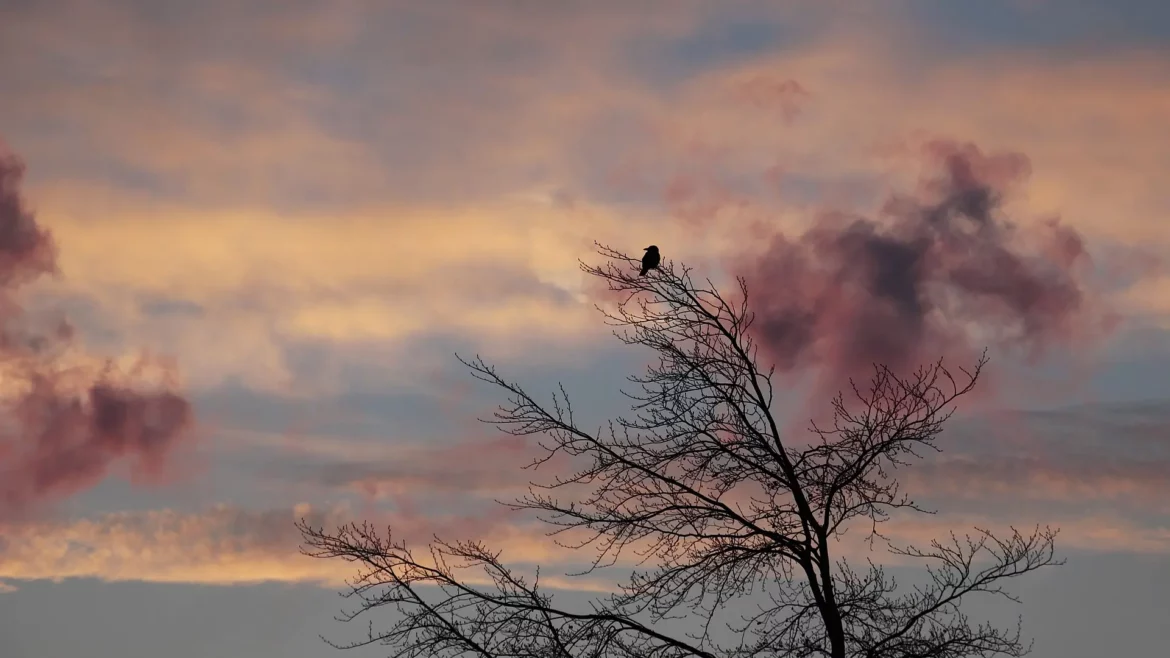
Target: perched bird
point(650, 260)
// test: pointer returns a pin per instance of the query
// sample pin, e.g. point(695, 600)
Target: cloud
point(502, 98)
point(937, 273)
point(1150, 296)
point(221, 546)
point(66, 424)
point(1088, 125)
point(1093, 469)
point(472, 469)
point(227, 545)
point(499, 274)
point(1094, 457)
point(1098, 481)
point(1095, 533)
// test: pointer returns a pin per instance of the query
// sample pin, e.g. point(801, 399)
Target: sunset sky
point(282, 220)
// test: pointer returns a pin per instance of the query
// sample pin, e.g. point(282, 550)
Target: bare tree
point(702, 481)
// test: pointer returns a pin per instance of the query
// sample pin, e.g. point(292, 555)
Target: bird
point(650, 260)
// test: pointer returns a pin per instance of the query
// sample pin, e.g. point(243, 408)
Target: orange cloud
point(1150, 296)
point(227, 546)
point(492, 273)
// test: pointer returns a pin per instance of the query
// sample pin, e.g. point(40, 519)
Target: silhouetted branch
point(701, 482)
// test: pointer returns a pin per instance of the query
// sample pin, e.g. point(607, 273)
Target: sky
point(242, 243)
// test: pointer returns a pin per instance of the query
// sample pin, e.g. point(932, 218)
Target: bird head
point(651, 248)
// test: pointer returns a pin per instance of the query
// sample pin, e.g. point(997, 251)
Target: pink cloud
point(784, 96)
point(65, 426)
point(940, 272)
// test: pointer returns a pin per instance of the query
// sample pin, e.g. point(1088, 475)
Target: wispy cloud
point(1100, 458)
point(228, 546)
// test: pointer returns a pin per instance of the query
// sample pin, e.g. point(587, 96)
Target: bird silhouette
point(650, 260)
